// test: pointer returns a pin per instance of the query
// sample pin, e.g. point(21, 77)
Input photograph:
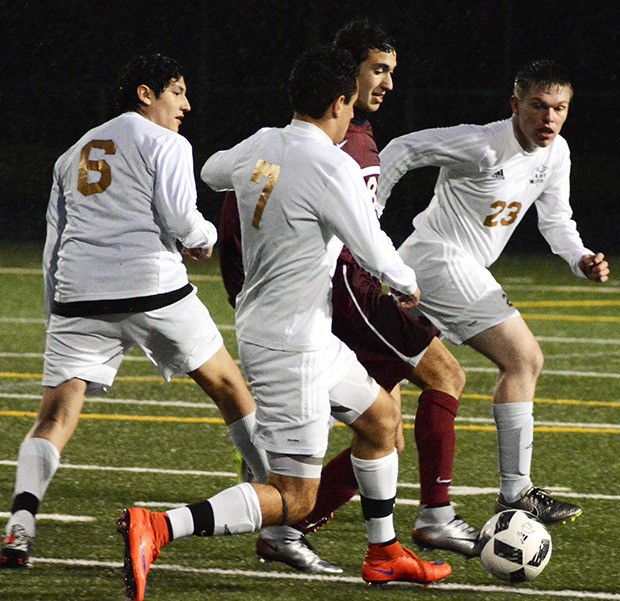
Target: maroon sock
point(338, 485)
point(436, 441)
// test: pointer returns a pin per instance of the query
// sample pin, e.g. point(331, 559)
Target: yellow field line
point(488, 397)
point(568, 303)
point(597, 318)
point(219, 420)
point(405, 392)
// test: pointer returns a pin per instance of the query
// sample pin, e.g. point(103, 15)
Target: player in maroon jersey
point(392, 344)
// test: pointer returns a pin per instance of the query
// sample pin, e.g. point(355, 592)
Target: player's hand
point(407, 301)
point(197, 254)
point(595, 267)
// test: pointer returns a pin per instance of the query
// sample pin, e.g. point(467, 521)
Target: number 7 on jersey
point(272, 173)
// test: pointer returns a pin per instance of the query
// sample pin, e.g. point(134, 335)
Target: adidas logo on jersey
point(498, 174)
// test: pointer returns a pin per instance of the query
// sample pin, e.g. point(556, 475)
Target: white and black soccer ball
point(515, 546)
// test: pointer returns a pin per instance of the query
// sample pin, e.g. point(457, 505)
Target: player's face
point(169, 109)
point(538, 118)
point(375, 80)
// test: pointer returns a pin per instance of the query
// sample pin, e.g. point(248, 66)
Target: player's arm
point(438, 147)
point(352, 219)
point(556, 224)
point(175, 199)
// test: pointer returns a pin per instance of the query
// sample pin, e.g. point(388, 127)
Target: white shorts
point(457, 294)
point(296, 392)
point(178, 338)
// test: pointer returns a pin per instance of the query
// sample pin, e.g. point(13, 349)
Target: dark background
point(456, 61)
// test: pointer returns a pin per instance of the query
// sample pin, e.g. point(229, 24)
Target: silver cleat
point(296, 553)
point(456, 535)
point(16, 549)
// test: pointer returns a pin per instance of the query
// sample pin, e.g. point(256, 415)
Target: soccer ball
point(515, 546)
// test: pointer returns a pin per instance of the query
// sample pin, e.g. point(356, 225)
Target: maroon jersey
point(371, 323)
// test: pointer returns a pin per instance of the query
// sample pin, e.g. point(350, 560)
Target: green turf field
point(164, 444)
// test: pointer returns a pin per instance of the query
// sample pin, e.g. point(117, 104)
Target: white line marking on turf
point(457, 490)
point(269, 575)
point(187, 404)
point(551, 372)
point(136, 470)
point(578, 340)
point(490, 370)
point(55, 517)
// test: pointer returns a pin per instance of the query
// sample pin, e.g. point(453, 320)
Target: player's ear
point(514, 104)
point(337, 106)
point(145, 94)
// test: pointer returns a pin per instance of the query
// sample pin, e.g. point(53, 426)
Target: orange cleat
point(397, 563)
point(145, 533)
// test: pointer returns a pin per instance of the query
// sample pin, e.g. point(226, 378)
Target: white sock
point(240, 432)
point(37, 463)
point(377, 479)
point(515, 439)
point(431, 516)
point(181, 522)
point(236, 510)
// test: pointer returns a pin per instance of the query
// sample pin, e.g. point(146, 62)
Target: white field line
point(231, 327)
point(55, 517)
point(136, 470)
point(456, 490)
point(295, 576)
point(211, 406)
point(549, 372)
point(38, 320)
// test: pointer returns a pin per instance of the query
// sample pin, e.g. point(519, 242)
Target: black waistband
point(137, 304)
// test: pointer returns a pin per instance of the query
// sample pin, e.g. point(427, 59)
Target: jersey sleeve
point(355, 223)
point(438, 147)
point(56, 219)
point(175, 196)
point(555, 219)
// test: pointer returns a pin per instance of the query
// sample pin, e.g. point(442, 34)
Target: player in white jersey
point(489, 176)
point(121, 198)
point(296, 191)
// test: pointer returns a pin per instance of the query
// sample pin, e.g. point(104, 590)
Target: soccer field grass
point(162, 445)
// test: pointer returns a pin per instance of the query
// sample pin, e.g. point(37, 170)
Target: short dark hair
point(540, 73)
point(319, 77)
point(154, 70)
point(360, 36)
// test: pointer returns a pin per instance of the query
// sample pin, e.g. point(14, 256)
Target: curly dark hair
point(540, 73)
point(360, 36)
point(154, 70)
point(319, 77)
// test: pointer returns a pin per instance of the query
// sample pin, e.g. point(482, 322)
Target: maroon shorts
point(363, 314)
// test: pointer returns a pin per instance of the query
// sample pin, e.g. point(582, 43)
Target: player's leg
point(221, 379)
point(374, 416)
point(513, 348)
point(441, 380)
point(183, 338)
point(236, 510)
point(292, 423)
point(80, 353)
point(37, 462)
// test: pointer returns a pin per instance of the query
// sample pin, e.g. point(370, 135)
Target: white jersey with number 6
point(121, 197)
